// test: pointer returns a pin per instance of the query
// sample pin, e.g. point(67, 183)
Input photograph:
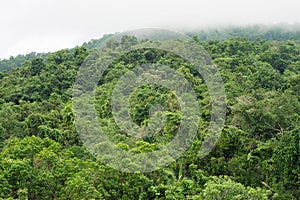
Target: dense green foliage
point(257, 156)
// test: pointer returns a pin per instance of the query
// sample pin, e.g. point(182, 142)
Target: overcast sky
point(48, 25)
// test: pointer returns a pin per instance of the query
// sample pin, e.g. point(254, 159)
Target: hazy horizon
point(45, 26)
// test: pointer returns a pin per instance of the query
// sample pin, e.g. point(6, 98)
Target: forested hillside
point(256, 157)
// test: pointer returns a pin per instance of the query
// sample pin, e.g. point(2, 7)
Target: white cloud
point(48, 25)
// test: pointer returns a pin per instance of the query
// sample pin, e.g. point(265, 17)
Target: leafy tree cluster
point(256, 157)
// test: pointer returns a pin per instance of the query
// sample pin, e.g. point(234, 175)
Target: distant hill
point(17, 61)
point(279, 32)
